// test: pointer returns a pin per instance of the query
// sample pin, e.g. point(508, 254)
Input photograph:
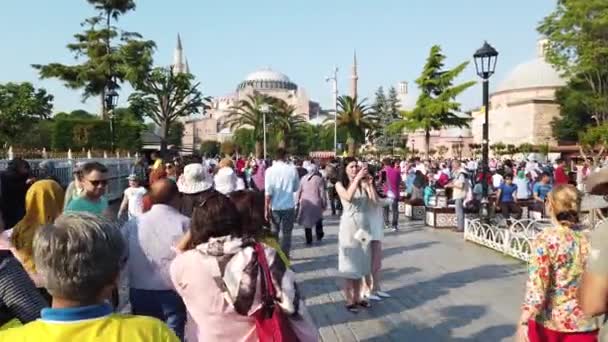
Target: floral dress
point(556, 266)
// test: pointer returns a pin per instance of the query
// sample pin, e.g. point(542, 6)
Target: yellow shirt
point(114, 327)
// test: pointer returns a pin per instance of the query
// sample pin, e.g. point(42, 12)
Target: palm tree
point(247, 113)
point(436, 107)
point(284, 122)
point(355, 118)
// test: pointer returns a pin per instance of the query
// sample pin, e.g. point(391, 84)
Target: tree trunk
point(352, 147)
point(164, 133)
point(427, 143)
point(102, 108)
point(259, 153)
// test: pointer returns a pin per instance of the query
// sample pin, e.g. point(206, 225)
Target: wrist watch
point(524, 323)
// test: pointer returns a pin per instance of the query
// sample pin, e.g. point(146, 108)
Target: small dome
point(536, 73)
point(267, 74)
point(267, 79)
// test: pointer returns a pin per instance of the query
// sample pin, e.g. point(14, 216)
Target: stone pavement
point(444, 289)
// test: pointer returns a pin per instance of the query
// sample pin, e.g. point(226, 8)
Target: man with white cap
point(593, 293)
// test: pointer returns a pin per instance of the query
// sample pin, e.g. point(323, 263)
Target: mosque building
point(211, 124)
point(523, 105)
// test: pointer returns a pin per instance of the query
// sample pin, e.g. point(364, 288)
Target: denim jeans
point(282, 223)
point(165, 305)
point(460, 213)
point(394, 207)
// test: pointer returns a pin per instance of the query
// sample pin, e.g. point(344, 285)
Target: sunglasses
point(97, 183)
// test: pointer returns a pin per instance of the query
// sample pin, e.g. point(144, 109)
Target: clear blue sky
point(226, 40)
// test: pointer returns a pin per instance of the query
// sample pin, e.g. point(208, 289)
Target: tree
point(511, 150)
point(21, 106)
point(593, 142)
point(228, 148)
point(101, 62)
point(442, 150)
point(578, 46)
point(247, 114)
point(525, 149)
point(387, 111)
point(210, 148)
point(497, 149)
point(175, 134)
point(436, 107)
point(355, 118)
point(575, 116)
point(165, 96)
point(285, 122)
point(244, 140)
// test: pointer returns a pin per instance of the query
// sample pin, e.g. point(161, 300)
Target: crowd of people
point(223, 228)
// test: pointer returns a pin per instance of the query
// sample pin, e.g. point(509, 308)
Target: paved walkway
point(444, 289)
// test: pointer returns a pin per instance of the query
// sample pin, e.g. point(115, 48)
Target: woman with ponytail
point(551, 311)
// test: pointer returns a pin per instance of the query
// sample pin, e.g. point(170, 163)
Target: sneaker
point(383, 294)
point(395, 229)
point(374, 297)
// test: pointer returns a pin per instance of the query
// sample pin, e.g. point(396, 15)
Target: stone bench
point(414, 212)
point(444, 218)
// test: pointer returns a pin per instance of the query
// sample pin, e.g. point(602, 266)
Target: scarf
point(241, 275)
point(43, 204)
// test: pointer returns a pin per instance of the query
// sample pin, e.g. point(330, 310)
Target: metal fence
point(118, 171)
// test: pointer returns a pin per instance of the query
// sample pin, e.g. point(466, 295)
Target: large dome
point(267, 79)
point(536, 73)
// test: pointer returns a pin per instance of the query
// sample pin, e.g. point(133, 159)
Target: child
point(429, 190)
point(133, 198)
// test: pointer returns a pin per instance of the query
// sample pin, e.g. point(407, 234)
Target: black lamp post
point(111, 100)
point(412, 148)
point(485, 64)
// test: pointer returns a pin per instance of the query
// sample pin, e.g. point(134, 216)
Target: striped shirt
point(19, 297)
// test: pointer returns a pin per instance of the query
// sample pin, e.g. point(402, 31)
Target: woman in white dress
point(354, 258)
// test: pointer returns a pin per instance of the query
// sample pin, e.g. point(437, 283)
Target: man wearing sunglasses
point(94, 181)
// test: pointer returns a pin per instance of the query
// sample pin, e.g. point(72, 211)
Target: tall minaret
point(178, 57)
point(354, 77)
point(187, 67)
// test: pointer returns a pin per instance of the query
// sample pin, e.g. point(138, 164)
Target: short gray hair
point(78, 256)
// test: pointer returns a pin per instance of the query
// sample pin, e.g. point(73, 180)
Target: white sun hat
point(196, 178)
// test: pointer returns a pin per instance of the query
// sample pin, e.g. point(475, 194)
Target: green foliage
point(578, 46)
point(498, 148)
point(228, 148)
point(511, 150)
point(354, 118)
point(164, 97)
point(442, 150)
point(285, 122)
point(593, 142)
point(247, 113)
point(244, 139)
point(21, 106)
point(436, 107)
point(176, 133)
point(95, 134)
point(128, 60)
point(525, 148)
point(575, 111)
point(210, 148)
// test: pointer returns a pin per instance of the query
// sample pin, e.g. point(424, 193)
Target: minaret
point(354, 77)
point(178, 57)
point(187, 67)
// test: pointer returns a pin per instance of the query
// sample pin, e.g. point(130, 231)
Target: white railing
point(118, 171)
point(514, 240)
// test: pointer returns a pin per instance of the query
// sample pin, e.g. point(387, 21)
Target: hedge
point(89, 134)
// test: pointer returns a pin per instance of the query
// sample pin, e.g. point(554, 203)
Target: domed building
point(523, 105)
point(264, 81)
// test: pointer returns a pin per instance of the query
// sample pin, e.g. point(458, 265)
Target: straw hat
point(195, 179)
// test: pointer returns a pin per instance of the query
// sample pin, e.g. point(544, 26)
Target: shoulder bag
point(271, 323)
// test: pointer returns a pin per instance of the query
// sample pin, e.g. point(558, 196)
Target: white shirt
point(522, 188)
point(135, 197)
point(496, 180)
point(281, 182)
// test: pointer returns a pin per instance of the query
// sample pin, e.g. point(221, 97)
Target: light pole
point(412, 148)
point(485, 64)
point(111, 101)
point(460, 146)
point(265, 109)
point(334, 80)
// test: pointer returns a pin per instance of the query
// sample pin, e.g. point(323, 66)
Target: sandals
point(352, 308)
point(364, 304)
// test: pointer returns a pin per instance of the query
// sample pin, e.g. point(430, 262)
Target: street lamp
point(111, 101)
point(334, 80)
point(460, 146)
point(412, 147)
point(265, 109)
point(485, 64)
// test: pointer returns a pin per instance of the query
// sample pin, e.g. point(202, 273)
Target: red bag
point(271, 323)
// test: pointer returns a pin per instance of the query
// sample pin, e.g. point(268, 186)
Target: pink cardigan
point(210, 316)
